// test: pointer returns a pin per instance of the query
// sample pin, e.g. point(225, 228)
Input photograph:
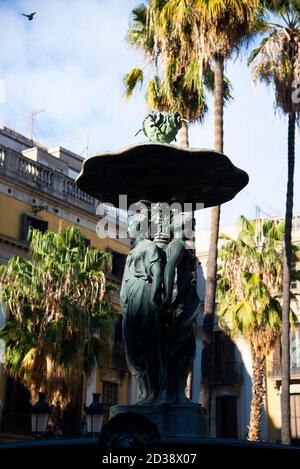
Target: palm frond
point(131, 80)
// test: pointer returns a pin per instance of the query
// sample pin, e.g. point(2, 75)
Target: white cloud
point(70, 61)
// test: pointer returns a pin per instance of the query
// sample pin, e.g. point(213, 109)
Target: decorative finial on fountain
point(161, 127)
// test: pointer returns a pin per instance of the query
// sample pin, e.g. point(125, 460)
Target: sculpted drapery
point(159, 305)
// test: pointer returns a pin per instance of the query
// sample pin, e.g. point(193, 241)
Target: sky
point(69, 63)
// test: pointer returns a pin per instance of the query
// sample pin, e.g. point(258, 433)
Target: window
point(295, 418)
point(28, 221)
point(118, 264)
point(294, 284)
point(110, 393)
point(118, 352)
point(277, 357)
point(295, 348)
point(118, 336)
point(224, 354)
point(294, 352)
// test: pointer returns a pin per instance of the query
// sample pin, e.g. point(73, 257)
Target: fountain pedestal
point(177, 423)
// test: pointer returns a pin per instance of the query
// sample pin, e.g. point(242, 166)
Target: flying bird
point(30, 16)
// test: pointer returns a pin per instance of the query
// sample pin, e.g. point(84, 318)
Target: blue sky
point(70, 61)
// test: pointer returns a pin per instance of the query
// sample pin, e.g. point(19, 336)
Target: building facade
point(37, 189)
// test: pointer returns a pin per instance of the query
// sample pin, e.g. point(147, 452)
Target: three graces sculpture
point(159, 304)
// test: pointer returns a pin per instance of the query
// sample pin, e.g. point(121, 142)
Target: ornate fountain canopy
point(161, 172)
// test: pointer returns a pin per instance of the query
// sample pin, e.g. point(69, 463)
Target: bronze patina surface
point(161, 172)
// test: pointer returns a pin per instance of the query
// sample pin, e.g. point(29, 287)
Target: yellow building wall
point(273, 408)
point(10, 210)
point(10, 223)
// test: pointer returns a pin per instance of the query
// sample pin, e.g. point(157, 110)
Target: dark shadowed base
point(176, 423)
point(86, 453)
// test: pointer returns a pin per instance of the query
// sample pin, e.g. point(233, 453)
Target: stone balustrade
point(51, 182)
point(43, 179)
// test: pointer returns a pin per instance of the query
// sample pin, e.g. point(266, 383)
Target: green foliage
point(207, 27)
point(276, 61)
point(170, 88)
point(131, 80)
point(137, 35)
point(179, 39)
point(249, 287)
point(60, 314)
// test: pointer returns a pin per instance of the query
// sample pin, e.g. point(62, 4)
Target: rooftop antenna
point(31, 118)
point(87, 144)
point(258, 223)
point(257, 212)
point(86, 148)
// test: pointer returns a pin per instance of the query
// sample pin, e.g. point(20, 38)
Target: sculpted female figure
point(140, 296)
point(180, 308)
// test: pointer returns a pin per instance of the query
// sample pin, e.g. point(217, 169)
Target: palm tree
point(59, 315)
point(210, 30)
point(249, 298)
point(170, 87)
point(277, 62)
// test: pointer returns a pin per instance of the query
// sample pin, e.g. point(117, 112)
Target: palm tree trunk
point(207, 361)
point(219, 102)
point(184, 135)
point(258, 391)
point(184, 142)
point(285, 360)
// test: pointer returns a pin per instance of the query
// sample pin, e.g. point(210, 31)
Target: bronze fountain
point(164, 184)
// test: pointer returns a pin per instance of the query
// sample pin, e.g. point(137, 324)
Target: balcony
point(38, 177)
point(275, 372)
point(226, 373)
